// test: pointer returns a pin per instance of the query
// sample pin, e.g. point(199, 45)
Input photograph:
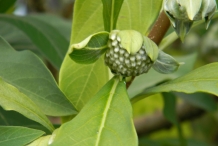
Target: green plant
point(96, 110)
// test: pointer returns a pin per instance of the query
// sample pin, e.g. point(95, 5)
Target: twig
point(148, 124)
point(157, 33)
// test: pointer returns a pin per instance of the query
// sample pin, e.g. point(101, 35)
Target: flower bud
point(182, 13)
point(126, 55)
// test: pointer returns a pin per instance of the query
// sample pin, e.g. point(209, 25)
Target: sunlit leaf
point(102, 121)
point(111, 13)
point(138, 15)
point(80, 82)
point(42, 141)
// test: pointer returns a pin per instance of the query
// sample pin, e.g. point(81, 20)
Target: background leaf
point(29, 75)
point(5, 5)
point(106, 122)
point(13, 99)
point(169, 112)
point(202, 100)
point(111, 10)
point(169, 109)
point(203, 79)
point(19, 136)
point(138, 15)
point(50, 42)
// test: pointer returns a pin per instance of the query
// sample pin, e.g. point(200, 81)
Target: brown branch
point(148, 124)
point(157, 33)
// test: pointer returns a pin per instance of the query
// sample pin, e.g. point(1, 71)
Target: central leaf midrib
point(105, 113)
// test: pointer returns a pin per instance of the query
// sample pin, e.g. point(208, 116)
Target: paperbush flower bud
point(126, 55)
point(182, 13)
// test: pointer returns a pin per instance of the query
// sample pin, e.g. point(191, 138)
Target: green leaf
point(153, 77)
point(203, 79)
point(165, 63)
point(111, 10)
point(5, 5)
point(28, 74)
point(17, 136)
point(13, 118)
point(80, 82)
point(169, 112)
point(103, 121)
point(90, 49)
point(12, 99)
point(50, 42)
point(59, 23)
point(87, 19)
point(138, 15)
point(169, 109)
point(151, 48)
point(42, 141)
point(201, 100)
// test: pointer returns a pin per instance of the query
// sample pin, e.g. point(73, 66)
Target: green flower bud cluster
point(182, 13)
point(121, 62)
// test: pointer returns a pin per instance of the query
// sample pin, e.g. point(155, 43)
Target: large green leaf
point(152, 77)
point(111, 10)
point(50, 42)
point(80, 82)
point(29, 75)
point(42, 141)
point(5, 5)
point(203, 79)
point(12, 99)
point(105, 120)
point(17, 136)
point(138, 15)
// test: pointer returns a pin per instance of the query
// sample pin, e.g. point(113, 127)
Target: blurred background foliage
point(199, 48)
